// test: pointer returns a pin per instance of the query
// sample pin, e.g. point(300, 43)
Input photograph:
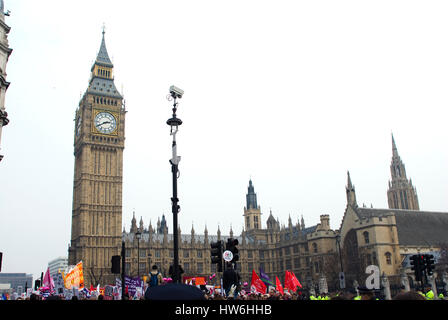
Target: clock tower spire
point(98, 173)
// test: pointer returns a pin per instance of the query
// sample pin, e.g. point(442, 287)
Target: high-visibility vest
point(357, 298)
point(441, 296)
point(312, 297)
point(430, 295)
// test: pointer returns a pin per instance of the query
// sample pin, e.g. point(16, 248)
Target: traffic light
point(216, 253)
point(231, 246)
point(115, 264)
point(36, 284)
point(417, 266)
point(429, 263)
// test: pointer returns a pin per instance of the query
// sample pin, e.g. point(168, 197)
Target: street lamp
point(341, 275)
point(138, 235)
point(174, 123)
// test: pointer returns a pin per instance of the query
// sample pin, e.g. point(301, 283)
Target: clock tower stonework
point(98, 176)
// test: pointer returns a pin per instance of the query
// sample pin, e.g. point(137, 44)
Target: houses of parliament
point(384, 237)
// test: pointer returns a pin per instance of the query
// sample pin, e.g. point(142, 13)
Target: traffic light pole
point(123, 265)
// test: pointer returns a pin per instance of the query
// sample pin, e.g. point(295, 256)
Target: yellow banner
point(75, 278)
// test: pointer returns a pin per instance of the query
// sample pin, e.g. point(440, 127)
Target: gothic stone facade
point(273, 249)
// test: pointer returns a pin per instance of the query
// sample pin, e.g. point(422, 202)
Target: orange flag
point(279, 285)
point(256, 284)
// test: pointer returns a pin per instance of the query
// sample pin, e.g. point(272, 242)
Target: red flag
point(256, 284)
point(291, 281)
point(295, 281)
point(279, 285)
point(288, 282)
point(91, 288)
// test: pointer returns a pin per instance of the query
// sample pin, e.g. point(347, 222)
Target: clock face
point(105, 122)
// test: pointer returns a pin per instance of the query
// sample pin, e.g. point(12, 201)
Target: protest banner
point(75, 278)
point(131, 284)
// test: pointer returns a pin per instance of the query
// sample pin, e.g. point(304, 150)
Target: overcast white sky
point(290, 93)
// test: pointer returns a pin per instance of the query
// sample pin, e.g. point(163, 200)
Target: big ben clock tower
point(98, 177)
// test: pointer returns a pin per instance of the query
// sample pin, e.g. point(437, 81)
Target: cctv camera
point(176, 92)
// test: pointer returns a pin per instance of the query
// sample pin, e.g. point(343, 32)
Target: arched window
point(314, 247)
point(366, 236)
point(388, 258)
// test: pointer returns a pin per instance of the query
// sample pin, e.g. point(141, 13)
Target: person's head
point(154, 267)
point(410, 295)
point(366, 294)
point(340, 297)
point(100, 297)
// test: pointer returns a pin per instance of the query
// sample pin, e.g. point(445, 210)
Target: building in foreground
point(98, 173)
point(5, 52)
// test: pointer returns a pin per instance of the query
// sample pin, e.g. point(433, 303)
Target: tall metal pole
point(175, 209)
point(340, 256)
point(341, 275)
point(175, 122)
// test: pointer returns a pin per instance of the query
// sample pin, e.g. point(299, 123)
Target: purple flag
point(265, 278)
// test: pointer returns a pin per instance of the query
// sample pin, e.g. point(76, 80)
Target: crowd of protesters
point(273, 295)
point(157, 288)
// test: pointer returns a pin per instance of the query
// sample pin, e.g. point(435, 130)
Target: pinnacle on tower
point(394, 148)
point(350, 190)
point(401, 193)
point(103, 57)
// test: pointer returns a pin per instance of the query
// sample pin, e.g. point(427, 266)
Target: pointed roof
point(100, 85)
point(271, 217)
point(349, 181)
point(103, 57)
point(394, 147)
